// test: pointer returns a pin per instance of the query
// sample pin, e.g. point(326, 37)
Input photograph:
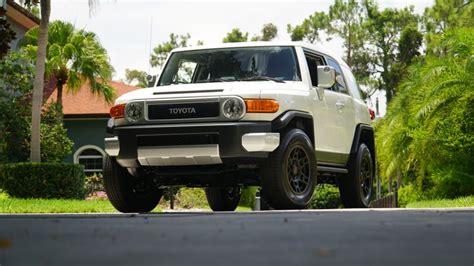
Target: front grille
point(178, 140)
point(183, 111)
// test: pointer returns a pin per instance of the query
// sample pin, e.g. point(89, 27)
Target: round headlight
point(233, 108)
point(133, 112)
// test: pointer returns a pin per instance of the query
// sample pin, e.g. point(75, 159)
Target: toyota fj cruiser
point(282, 116)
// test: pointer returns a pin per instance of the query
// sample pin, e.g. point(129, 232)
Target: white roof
point(316, 48)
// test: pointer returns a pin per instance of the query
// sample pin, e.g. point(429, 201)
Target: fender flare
point(284, 119)
point(357, 137)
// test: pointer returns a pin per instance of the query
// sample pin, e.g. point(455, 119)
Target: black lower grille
point(181, 111)
point(178, 140)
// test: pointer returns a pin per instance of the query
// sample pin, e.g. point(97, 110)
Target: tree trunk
point(59, 99)
point(349, 48)
point(38, 84)
point(399, 178)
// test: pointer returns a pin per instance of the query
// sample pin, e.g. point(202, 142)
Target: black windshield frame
point(295, 68)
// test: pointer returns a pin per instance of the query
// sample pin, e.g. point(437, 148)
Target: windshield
point(231, 64)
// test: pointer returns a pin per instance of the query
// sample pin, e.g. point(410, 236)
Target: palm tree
point(72, 58)
point(38, 84)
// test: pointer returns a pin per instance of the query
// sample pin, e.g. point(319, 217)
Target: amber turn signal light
point(261, 105)
point(117, 111)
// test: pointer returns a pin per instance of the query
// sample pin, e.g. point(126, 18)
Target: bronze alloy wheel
point(289, 175)
point(366, 176)
point(298, 170)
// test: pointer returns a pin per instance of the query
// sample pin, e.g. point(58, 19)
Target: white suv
point(277, 115)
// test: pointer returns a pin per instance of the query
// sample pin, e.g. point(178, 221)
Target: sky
point(126, 28)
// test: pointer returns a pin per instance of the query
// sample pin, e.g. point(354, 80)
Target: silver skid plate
point(179, 155)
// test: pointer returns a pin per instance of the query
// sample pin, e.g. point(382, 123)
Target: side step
point(334, 170)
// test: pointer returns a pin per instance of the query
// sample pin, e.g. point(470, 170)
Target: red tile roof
point(84, 102)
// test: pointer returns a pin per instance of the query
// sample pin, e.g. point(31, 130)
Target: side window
point(340, 85)
point(351, 82)
point(313, 63)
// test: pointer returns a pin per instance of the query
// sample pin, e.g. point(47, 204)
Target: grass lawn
point(13, 205)
point(443, 203)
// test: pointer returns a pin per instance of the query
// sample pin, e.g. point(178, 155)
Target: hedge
point(326, 196)
point(43, 180)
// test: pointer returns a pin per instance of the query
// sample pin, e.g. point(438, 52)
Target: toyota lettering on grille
point(183, 110)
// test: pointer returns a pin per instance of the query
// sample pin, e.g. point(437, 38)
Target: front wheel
point(223, 199)
point(356, 188)
point(126, 192)
point(289, 175)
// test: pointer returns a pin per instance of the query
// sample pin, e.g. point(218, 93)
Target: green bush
point(55, 143)
point(248, 197)
point(408, 194)
point(16, 79)
point(94, 183)
point(195, 198)
point(43, 180)
point(325, 196)
point(189, 198)
point(426, 135)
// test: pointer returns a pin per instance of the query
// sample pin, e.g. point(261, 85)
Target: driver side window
point(313, 63)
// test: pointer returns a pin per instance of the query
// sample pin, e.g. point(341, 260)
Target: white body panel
point(335, 115)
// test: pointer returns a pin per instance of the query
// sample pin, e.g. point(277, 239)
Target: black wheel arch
point(364, 133)
point(295, 119)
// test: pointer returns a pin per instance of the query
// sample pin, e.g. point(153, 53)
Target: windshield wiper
point(214, 80)
point(256, 78)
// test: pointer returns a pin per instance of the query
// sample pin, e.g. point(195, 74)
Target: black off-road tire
point(290, 173)
point(357, 187)
point(223, 199)
point(124, 193)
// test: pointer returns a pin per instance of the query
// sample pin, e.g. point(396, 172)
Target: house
point(20, 19)
point(85, 118)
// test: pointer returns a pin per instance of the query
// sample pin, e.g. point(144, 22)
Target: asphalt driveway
point(340, 237)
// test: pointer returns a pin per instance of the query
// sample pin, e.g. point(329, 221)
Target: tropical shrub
point(94, 183)
point(43, 180)
point(427, 134)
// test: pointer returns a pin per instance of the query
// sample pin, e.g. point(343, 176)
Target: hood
point(248, 89)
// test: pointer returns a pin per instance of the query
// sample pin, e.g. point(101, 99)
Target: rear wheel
point(223, 199)
point(126, 192)
point(357, 187)
point(289, 174)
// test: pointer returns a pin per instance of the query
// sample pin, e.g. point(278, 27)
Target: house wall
point(85, 132)
point(19, 30)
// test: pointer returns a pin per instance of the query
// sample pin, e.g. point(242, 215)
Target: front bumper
point(191, 144)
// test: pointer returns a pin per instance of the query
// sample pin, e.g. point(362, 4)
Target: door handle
point(340, 105)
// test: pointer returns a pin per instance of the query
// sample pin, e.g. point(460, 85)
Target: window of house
point(92, 160)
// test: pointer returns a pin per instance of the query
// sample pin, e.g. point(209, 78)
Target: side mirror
point(326, 77)
point(151, 79)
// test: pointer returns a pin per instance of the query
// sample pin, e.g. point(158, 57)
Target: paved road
point(364, 237)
